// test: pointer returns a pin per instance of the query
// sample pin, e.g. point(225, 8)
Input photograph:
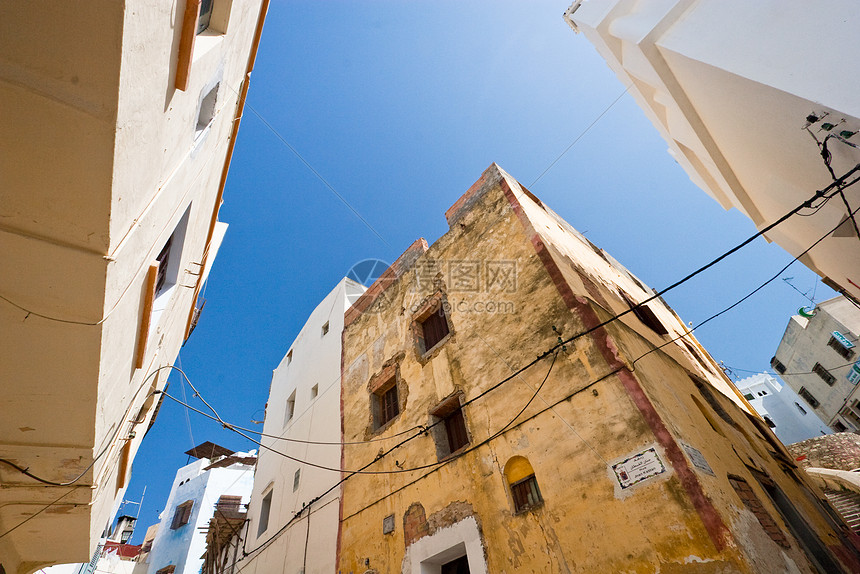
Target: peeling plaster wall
point(596, 409)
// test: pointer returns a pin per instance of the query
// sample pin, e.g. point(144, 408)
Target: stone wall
point(839, 451)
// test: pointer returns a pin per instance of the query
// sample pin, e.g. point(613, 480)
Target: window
point(807, 396)
point(708, 395)
point(645, 315)
point(265, 508)
point(207, 110)
point(205, 15)
point(769, 422)
point(291, 408)
point(167, 570)
point(387, 405)
point(163, 259)
point(752, 502)
point(800, 408)
point(837, 346)
point(450, 435)
point(824, 374)
point(182, 514)
point(434, 328)
point(777, 366)
point(523, 485)
point(749, 397)
point(296, 478)
point(325, 329)
point(315, 390)
point(290, 357)
point(839, 427)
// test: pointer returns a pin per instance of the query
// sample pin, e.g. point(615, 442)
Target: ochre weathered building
point(624, 450)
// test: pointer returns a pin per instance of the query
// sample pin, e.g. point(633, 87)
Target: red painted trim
point(404, 262)
point(710, 517)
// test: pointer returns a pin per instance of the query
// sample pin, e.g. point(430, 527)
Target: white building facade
point(118, 124)
point(199, 490)
point(744, 93)
point(790, 418)
point(295, 507)
point(818, 358)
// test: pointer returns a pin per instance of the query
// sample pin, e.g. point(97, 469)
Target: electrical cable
point(796, 374)
point(581, 135)
point(819, 194)
point(363, 470)
point(26, 471)
point(41, 510)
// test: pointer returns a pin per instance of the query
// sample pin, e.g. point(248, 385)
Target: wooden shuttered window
point(434, 328)
point(455, 428)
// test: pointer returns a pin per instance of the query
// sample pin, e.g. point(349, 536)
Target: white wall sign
point(638, 467)
point(698, 459)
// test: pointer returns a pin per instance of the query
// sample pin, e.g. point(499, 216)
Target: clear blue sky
point(400, 107)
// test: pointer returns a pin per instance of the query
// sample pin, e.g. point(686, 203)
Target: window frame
point(436, 304)
point(387, 394)
point(182, 514)
point(846, 353)
point(809, 398)
point(265, 510)
point(525, 506)
point(824, 374)
point(443, 417)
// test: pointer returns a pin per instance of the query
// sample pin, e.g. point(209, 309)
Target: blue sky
point(400, 107)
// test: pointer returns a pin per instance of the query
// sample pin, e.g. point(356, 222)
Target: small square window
point(644, 313)
point(526, 494)
point(296, 479)
point(207, 110)
point(265, 509)
point(205, 15)
point(182, 514)
point(166, 570)
point(325, 329)
point(386, 404)
point(450, 435)
point(749, 397)
point(837, 346)
point(434, 328)
point(777, 366)
point(315, 390)
point(807, 396)
point(291, 408)
point(825, 375)
point(769, 422)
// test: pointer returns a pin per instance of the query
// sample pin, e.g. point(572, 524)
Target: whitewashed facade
point(304, 405)
point(790, 418)
point(732, 86)
point(113, 168)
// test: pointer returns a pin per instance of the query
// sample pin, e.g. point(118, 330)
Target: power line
point(580, 136)
point(314, 171)
point(819, 194)
point(41, 510)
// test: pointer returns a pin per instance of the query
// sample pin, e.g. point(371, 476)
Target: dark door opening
point(811, 545)
point(458, 566)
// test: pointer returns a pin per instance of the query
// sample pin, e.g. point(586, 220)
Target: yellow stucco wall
point(596, 408)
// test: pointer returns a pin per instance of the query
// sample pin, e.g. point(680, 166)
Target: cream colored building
point(118, 123)
point(741, 91)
